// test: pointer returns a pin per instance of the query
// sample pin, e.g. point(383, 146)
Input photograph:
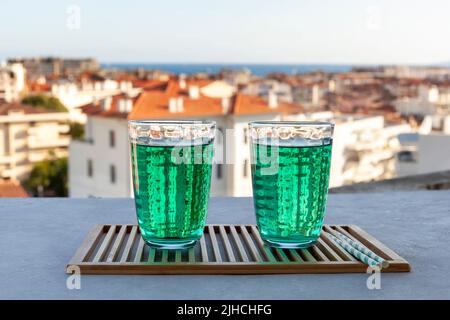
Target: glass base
point(290, 245)
point(171, 244)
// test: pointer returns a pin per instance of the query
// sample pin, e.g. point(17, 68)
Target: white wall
point(102, 155)
point(434, 153)
point(239, 152)
point(218, 89)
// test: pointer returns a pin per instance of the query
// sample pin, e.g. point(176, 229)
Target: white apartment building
point(429, 150)
point(309, 95)
point(12, 81)
point(75, 95)
point(415, 72)
point(28, 135)
point(364, 147)
point(100, 165)
point(430, 99)
point(264, 87)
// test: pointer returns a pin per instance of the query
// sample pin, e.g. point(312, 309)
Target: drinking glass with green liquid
point(171, 166)
point(290, 173)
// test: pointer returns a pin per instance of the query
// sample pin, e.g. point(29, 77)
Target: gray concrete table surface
point(39, 236)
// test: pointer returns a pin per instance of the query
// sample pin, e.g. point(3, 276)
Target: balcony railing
point(48, 143)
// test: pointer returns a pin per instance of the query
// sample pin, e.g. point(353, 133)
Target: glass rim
point(172, 122)
point(291, 123)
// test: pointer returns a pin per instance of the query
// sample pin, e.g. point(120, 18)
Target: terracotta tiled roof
point(247, 105)
point(154, 104)
point(12, 189)
point(39, 87)
point(97, 109)
point(90, 76)
point(150, 84)
point(5, 108)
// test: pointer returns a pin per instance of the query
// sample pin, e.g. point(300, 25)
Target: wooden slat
point(215, 245)
point(164, 256)
point(241, 251)
point(131, 238)
point(227, 244)
point(105, 244)
point(88, 246)
point(178, 256)
point(253, 251)
point(117, 244)
point(336, 247)
point(281, 255)
point(317, 252)
point(220, 269)
point(265, 250)
point(326, 249)
point(191, 255)
point(151, 254)
point(307, 256)
point(140, 250)
point(203, 249)
point(294, 254)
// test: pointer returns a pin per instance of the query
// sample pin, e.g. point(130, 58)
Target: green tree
point(76, 130)
point(49, 178)
point(46, 102)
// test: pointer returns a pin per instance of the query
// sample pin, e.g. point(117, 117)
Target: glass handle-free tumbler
point(290, 173)
point(171, 165)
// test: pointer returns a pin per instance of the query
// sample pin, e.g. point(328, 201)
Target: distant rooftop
point(6, 108)
point(12, 189)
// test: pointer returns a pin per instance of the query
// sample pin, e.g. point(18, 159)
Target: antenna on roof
point(225, 105)
point(194, 92)
point(182, 81)
point(272, 100)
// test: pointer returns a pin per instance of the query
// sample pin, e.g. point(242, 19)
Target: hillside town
point(63, 122)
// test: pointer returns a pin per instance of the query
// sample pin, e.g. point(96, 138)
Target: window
point(112, 173)
point(219, 171)
point(220, 136)
point(245, 136)
point(112, 139)
point(245, 168)
point(90, 168)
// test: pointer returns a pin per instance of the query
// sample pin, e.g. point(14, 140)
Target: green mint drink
point(290, 201)
point(171, 190)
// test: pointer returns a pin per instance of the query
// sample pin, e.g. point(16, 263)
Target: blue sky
point(248, 31)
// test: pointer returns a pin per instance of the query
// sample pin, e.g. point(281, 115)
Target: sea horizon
point(258, 69)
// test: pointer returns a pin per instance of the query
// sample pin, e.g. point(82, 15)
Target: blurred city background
point(73, 73)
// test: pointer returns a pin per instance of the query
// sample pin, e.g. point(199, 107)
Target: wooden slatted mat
point(224, 249)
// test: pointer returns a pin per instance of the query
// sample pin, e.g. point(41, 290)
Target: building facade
point(428, 150)
point(97, 169)
point(29, 135)
point(12, 81)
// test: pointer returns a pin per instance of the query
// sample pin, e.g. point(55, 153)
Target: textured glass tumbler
point(290, 173)
point(171, 165)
